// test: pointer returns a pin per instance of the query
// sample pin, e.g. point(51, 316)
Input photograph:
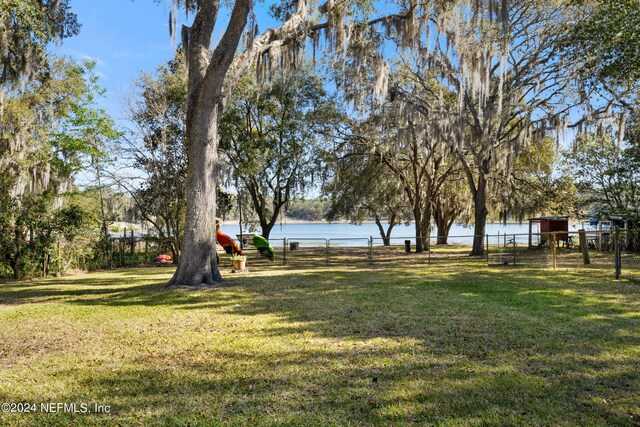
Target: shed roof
point(550, 218)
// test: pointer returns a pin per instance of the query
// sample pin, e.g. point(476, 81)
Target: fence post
point(122, 245)
point(618, 252)
point(600, 241)
point(514, 250)
point(370, 250)
point(44, 263)
point(555, 252)
point(108, 245)
point(58, 267)
point(582, 239)
point(327, 252)
point(284, 255)
point(487, 251)
point(112, 261)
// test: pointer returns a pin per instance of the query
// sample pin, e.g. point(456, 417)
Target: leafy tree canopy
point(607, 178)
point(26, 27)
point(608, 40)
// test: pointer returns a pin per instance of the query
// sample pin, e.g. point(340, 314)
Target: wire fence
point(627, 254)
point(137, 250)
point(542, 249)
point(615, 249)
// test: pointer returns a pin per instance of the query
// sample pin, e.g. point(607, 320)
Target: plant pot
point(239, 264)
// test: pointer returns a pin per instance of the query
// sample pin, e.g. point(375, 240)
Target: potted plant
point(239, 262)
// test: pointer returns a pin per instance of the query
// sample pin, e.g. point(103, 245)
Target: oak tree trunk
point(480, 215)
point(15, 261)
point(385, 235)
point(207, 74)
point(444, 219)
point(198, 265)
point(417, 217)
point(266, 228)
point(444, 227)
point(426, 224)
point(45, 263)
point(267, 223)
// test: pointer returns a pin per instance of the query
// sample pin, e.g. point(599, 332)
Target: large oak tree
point(212, 74)
point(271, 135)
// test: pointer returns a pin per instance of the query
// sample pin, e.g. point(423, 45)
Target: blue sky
point(125, 37)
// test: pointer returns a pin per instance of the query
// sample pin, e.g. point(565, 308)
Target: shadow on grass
point(456, 345)
point(319, 388)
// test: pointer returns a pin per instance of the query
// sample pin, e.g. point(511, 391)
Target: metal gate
point(627, 253)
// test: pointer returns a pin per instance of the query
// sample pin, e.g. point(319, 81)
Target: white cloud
point(83, 56)
point(98, 61)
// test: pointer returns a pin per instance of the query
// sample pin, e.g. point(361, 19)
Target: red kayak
point(164, 258)
point(229, 245)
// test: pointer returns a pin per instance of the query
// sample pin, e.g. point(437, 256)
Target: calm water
point(344, 234)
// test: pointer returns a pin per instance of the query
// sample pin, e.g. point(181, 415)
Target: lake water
point(345, 234)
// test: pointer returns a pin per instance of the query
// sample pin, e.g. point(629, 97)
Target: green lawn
point(442, 345)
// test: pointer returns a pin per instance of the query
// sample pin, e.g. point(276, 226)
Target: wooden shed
point(550, 224)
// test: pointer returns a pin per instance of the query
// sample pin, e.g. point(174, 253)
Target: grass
point(439, 345)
